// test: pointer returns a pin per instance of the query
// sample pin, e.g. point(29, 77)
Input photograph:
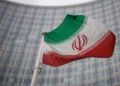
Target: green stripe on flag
point(71, 25)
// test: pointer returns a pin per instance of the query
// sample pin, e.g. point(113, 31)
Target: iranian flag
point(77, 37)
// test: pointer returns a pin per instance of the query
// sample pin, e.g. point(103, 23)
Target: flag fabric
point(77, 37)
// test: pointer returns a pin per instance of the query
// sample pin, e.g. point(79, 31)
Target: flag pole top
point(44, 33)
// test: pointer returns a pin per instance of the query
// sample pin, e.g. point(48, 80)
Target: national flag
point(77, 37)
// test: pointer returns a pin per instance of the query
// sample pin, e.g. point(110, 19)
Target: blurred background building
point(20, 36)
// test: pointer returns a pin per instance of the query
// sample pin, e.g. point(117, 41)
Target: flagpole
point(38, 65)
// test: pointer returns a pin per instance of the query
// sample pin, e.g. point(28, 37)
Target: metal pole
point(38, 65)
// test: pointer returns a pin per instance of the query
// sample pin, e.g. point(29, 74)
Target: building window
point(6, 80)
point(89, 76)
point(89, 84)
point(61, 80)
point(27, 81)
point(112, 80)
point(16, 80)
point(20, 80)
point(117, 79)
point(53, 80)
point(84, 77)
point(2, 69)
point(108, 81)
point(116, 69)
point(9, 71)
point(94, 84)
point(42, 81)
point(48, 81)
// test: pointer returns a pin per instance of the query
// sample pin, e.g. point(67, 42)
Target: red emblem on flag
point(79, 42)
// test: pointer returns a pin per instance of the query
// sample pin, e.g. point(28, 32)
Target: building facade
point(20, 36)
